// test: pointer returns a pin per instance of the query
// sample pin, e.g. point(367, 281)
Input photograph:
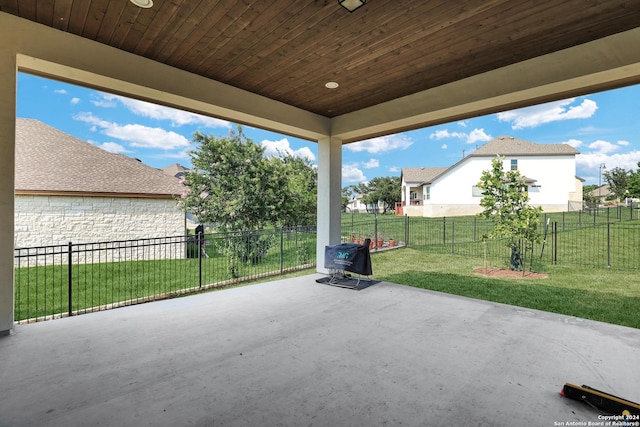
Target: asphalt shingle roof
point(51, 161)
point(422, 175)
point(510, 146)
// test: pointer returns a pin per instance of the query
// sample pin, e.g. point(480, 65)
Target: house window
point(514, 164)
point(476, 191)
point(413, 195)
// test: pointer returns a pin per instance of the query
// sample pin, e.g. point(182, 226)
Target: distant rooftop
point(510, 146)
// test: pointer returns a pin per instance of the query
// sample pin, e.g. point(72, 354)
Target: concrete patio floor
point(298, 353)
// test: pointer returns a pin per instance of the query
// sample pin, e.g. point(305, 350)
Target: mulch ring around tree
point(503, 273)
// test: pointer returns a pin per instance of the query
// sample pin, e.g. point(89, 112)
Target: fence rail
point(604, 237)
point(63, 280)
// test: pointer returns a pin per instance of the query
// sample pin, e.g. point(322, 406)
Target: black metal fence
point(63, 280)
point(604, 237)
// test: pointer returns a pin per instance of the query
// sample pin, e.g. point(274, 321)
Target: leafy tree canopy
point(299, 204)
point(233, 186)
point(634, 183)
point(505, 201)
point(618, 180)
point(384, 189)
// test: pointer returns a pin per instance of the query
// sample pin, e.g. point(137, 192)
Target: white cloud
point(381, 144)
point(181, 155)
point(372, 163)
point(159, 112)
point(444, 146)
point(588, 164)
point(275, 148)
point(549, 112)
point(351, 173)
point(394, 169)
point(75, 101)
point(623, 143)
point(444, 133)
point(136, 135)
point(113, 147)
point(60, 91)
point(462, 123)
point(603, 147)
point(575, 143)
point(476, 135)
point(589, 129)
point(104, 101)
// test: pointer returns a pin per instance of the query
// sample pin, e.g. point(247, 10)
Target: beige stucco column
point(329, 196)
point(8, 81)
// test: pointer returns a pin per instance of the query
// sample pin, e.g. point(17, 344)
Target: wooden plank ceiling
point(288, 49)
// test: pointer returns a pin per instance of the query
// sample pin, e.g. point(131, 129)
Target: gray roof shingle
point(510, 146)
point(51, 161)
point(422, 175)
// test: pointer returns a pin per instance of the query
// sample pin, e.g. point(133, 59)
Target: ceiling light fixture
point(145, 4)
point(351, 5)
point(331, 85)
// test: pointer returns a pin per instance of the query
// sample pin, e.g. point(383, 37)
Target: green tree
point(505, 202)
point(588, 198)
point(618, 180)
point(634, 183)
point(300, 196)
point(233, 187)
point(381, 189)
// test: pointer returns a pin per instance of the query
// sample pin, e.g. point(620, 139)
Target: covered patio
point(312, 69)
point(295, 352)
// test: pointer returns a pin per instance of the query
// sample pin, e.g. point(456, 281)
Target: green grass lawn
point(610, 296)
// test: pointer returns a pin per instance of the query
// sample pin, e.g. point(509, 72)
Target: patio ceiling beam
point(604, 64)
point(47, 52)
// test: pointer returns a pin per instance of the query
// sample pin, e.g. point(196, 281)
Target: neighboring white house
point(67, 190)
point(356, 205)
point(549, 171)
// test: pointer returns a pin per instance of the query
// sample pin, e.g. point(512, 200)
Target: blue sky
point(604, 127)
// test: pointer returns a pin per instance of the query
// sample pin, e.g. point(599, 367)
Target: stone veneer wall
point(58, 220)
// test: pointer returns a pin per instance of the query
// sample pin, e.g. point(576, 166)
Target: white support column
point(8, 81)
point(329, 196)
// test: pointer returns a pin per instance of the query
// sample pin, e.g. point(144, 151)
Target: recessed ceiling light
point(145, 4)
point(331, 85)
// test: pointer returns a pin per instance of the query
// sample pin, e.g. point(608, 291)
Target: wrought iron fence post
point(444, 230)
point(453, 237)
point(282, 249)
point(406, 230)
point(375, 228)
point(199, 241)
point(608, 245)
point(475, 228)
point(555, 243)
point(70, 276)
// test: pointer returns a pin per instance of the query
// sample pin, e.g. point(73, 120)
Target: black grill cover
point(351, 257)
